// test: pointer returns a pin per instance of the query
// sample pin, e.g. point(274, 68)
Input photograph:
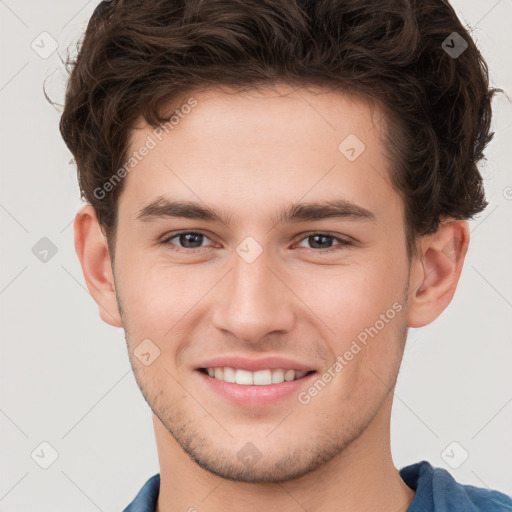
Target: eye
point(322, 242)
point(188, 240)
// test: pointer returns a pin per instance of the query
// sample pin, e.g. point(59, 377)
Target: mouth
point(258, 389)
point(258, 378)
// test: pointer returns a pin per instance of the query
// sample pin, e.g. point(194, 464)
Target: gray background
point(65, 375)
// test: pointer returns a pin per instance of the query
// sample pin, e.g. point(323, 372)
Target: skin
point(247, 156)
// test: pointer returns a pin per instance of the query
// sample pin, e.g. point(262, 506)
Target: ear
point(436, 270)
point(92, 250)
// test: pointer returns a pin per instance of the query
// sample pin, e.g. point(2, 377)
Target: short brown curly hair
point(137, 56)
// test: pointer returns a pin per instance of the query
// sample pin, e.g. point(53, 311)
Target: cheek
point(351, 298)
point(365, 315)
point(156, 297)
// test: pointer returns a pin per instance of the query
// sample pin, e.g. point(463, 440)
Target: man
point(276, 192)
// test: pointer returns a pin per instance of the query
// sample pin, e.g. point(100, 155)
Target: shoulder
point(146, 499)
point(437, 491)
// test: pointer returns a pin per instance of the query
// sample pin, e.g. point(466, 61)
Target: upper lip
point(253, 365)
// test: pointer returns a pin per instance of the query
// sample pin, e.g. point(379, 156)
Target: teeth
point(262, 377)
point(259, 378)
point(277, 376)
point(289, 375)
point(243, 377)
point(229, 375)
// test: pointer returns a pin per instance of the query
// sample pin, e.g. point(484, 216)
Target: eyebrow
point(163, 208)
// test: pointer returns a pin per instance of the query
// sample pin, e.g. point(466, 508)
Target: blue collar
point(436, 491)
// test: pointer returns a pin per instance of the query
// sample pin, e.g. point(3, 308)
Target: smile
point(257, 378)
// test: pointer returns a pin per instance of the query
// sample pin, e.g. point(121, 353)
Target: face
point(256, 236)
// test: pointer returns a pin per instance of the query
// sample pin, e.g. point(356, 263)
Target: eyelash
point(342, 242)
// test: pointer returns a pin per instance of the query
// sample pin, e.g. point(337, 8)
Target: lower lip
point(252, 395)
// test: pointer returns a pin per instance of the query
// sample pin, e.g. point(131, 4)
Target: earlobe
point(436, 271)
point(92, 250)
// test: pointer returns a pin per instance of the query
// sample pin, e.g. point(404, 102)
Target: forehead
point(277, 144)
point(269, 112)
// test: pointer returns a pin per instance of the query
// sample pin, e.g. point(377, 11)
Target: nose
point(253, 301)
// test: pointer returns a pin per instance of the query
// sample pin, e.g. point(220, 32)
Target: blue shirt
point(436, 491)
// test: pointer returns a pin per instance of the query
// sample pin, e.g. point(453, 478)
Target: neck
point(362, 477)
